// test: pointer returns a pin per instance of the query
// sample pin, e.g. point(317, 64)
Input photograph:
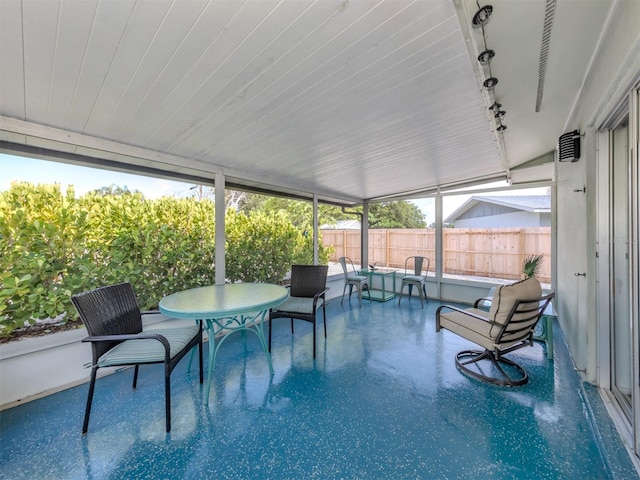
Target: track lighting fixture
point(490, 82)
point(482, 16)
point(485, 57)
point(480, 19)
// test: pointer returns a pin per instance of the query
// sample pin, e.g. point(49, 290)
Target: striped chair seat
point(131, 352)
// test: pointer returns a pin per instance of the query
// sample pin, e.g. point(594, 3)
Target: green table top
point(376, 272)
point(223, 300)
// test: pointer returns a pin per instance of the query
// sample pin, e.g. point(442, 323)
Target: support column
point(439, 242)
point(364, 236)
point(220, 228)
point(315, 230)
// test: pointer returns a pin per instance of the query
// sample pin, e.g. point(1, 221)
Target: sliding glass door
point(621, 327)
point(634, 259)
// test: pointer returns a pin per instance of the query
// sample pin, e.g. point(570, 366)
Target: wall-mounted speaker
point(569, 147)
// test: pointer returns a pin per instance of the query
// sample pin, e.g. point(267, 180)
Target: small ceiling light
point(482, 16)
point(502, 128)
point(485, 57)
point(500, 114)
point(490, 82)
point(495, 107)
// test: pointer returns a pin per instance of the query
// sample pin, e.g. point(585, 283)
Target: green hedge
point(53, 245)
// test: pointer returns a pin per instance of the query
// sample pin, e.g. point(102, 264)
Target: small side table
point(384, 294)
point(544, 329)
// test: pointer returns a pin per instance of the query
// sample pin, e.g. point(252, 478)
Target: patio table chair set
point(416, 269)
point(114, 322)
point(113, 319)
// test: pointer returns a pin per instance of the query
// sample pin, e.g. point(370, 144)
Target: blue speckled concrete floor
point(383, 400)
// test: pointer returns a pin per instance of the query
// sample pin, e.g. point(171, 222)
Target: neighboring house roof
point(342, 225)
point(526, 203)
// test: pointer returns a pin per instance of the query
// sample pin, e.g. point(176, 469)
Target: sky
point(85, 179)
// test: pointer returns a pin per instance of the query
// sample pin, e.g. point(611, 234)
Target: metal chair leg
point(313, 325)
point(167, 395)
point(135, 377)
point(87, 411)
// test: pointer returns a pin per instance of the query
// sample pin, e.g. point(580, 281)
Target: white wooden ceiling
point(351, 100)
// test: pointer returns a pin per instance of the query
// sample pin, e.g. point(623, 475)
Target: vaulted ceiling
point(349, 100)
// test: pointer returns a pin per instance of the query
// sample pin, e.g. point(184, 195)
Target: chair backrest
point(307, 280)
point(418, 264)
point(522, 319)
point(110, 310)
point(345, 262)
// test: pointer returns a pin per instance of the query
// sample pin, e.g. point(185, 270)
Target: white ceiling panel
point(349, 100)
point(12, 66)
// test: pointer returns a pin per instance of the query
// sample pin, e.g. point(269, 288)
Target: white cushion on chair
point(357, 278)
point(412, 278)
point(471, 328)
point(507, 295)
point(130, 352)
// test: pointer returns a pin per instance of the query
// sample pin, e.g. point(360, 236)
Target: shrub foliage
point(53, 245)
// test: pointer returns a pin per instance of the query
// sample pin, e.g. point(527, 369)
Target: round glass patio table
point(226, 308)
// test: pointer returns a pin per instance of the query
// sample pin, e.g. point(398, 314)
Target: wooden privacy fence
point(480, 252)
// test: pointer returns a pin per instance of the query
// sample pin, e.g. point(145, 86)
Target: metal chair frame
point(516, 332)
point(411, 280)
point(361, 282)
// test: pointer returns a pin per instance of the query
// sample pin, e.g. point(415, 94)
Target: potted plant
point(531, 265)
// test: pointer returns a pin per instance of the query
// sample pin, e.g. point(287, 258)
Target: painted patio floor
point(383, 400)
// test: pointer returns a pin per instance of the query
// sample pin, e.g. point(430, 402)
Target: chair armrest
point(461, 310)
point(131, 336)
point(483, 299)
point(464, 312)
point(318, 295)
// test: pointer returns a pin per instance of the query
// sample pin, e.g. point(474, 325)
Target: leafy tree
point(233, 199)
point(115, 190)
point(299, 212)
point(159, 246)
point(42, 253)
point(397, 214)
point(260, 247)
point(54, 245)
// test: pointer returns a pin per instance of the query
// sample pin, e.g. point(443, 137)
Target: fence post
point(344, 243)
point(387, 245)
point(522, 246)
